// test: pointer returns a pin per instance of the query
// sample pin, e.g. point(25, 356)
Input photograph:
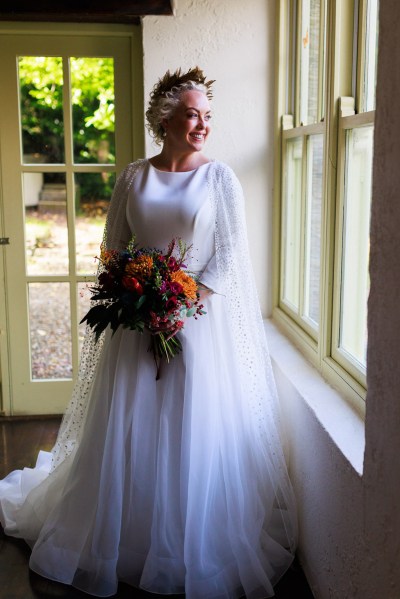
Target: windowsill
point(340, 421)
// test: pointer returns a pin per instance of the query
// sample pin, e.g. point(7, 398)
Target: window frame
point(348, 121)
point(344, 24)
point(302, 132)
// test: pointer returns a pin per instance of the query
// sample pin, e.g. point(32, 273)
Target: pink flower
point(172, 264)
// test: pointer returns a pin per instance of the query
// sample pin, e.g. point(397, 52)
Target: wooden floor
point(20, 442)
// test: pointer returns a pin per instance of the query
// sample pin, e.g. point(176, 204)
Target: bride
point(176, 485)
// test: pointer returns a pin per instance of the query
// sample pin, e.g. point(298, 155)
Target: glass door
point(66, 130)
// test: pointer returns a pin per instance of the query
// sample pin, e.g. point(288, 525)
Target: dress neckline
point(179, 172)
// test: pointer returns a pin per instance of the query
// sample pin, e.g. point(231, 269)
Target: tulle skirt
point(170, 489)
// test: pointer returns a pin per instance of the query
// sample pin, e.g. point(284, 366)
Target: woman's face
point(189, 126)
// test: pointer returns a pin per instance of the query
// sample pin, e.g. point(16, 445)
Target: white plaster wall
point(233, 42)
point(328, 488)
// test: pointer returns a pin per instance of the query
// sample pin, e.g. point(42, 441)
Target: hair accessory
point(178, 78)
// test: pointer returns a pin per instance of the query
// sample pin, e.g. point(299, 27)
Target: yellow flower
point(140, 268)
point(188, 284)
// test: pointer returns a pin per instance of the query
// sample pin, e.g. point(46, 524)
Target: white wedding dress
point(171, 487)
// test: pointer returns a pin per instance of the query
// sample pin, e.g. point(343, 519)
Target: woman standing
point(176, 485)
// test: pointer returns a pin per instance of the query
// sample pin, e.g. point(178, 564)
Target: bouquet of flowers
point(143, 288)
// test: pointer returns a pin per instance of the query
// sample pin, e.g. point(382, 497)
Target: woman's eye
point(194, 115)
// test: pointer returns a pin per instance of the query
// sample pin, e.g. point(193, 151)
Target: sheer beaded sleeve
point(116, 235)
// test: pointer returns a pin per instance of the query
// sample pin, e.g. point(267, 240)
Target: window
point(64, 120)
point(326, 101)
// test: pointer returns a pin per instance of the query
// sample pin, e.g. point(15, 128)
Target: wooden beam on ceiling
point(83, 11)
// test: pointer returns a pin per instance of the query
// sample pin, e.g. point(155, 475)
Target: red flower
point(175, 288)
point(132, 284)
point(172, 303)
point(172, 264)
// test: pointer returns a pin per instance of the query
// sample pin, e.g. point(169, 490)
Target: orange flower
point(140, 267)
point(188, 284)
point(106, 256)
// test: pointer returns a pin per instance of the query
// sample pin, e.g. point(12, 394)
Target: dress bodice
point(163, 205)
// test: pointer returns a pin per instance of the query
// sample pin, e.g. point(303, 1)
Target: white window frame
point(339, 104)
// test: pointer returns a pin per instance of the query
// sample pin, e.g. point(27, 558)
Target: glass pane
point(46, 229)
point(371, 54)
point(92, 89)
point(50, 330)
point(41, 91)
point(92, 196)
point(355, 257)
point(315, 147)
point(292, 223)
point(84, 295)
point(291, 27)
point(309, 60)
point(322, 76)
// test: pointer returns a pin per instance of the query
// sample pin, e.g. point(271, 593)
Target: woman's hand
point(203, 292)
point(171, 328)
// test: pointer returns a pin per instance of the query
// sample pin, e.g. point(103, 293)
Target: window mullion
point(70, 187)
point(283, 63)
point(361, 35)
point(322, 62)
point(303, 216)
point(328, 212)
point(346, 109)
point(298, 59)
point(291, 19)
point(339, 44)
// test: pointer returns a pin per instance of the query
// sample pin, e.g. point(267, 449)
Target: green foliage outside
point(92, 100)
